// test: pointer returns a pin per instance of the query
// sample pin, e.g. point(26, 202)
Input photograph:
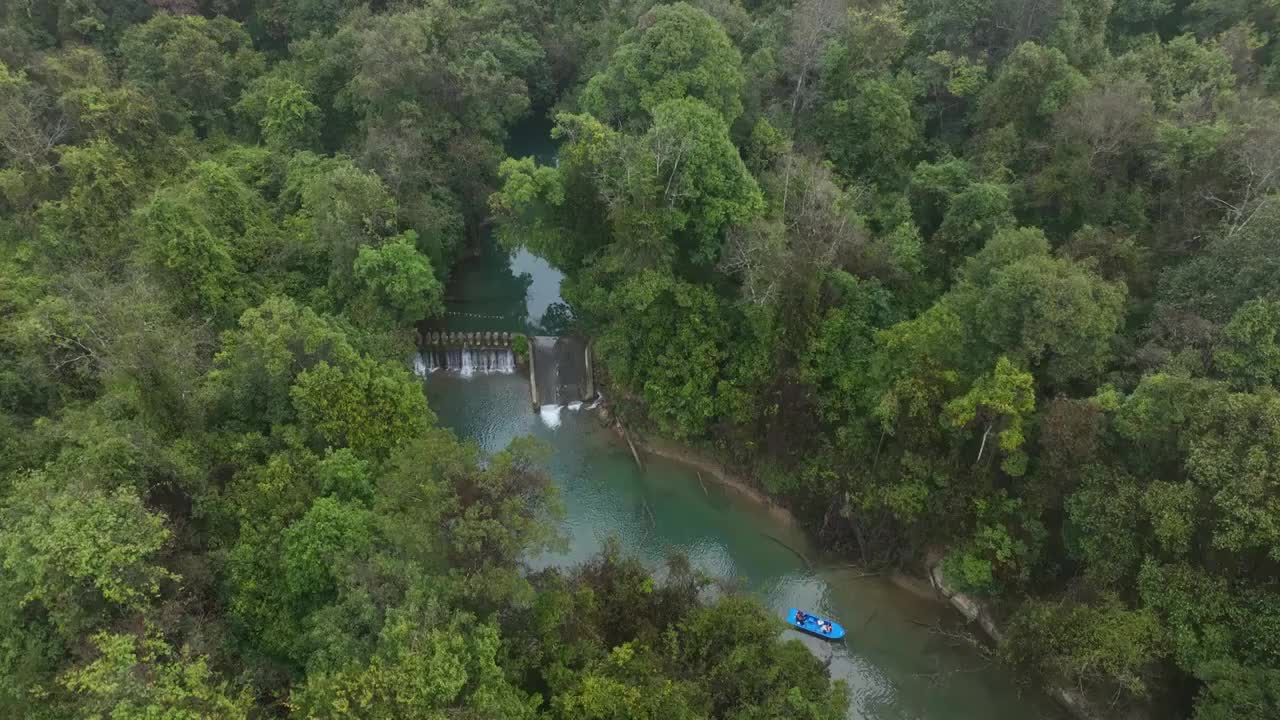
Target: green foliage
point(418, 672)
point(974, 214)
point(872, 133)
point(317, 544)
point(342, 474)
point(203, 236)
point(1003, 398)
point(1183, 69)
point(1220, 442)
point(1081, 32)
point(676, 51)
point(836, 361)
point(196, 67)
point(913, 368)
point(81, 554)
point(672, 192)
point(1234, 268)
point(700, 176)
point(367, 406)
point(1104, 514)
point(962, 28)
point(102, 184)
point(142, 677)
point(1103, 643)
point(671, 348)
point(1057, 315)
point(628, 646)
point(1202, 616)
point(1034, 83)
point(535, 211)
point(1250, 356)
point(340, 208)
point(933, 186)
point(433, 89)
point(300, 18)
point(104, 106)
point(734, 646)
point(283, 111)
point(402, 277)
point(995, 555)
point(985, 280)
point(260, 360)
point(1233, 691)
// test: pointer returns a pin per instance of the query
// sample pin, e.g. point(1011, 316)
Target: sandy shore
point(710, 470)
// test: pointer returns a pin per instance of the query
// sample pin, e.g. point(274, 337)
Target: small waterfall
point(493, 361)
point(466, 361)
point(551, 415)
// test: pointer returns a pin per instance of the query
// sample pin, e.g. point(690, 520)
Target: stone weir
point(469, 339)
point(465, 352)
point(560, 372)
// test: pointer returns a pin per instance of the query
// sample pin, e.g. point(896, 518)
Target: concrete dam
point(465, 353)
point(559, 368)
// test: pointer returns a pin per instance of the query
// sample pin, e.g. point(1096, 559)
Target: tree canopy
point(988, 285)
point(223, 492)
point(997, 287)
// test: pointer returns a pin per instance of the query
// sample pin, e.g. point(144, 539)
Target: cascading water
point(550, 415)
point(465, 361)
point(560, 366)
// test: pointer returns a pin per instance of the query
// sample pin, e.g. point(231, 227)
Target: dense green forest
point(222, 493)
point(991, 280)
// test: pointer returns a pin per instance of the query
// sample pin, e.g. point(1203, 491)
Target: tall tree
point(676, 51)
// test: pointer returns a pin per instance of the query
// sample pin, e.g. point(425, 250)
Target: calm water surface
point(895, 667)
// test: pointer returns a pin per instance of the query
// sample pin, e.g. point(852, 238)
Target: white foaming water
point(466, 361)
point(551, 415)
point(501, 361)
point(575, 406)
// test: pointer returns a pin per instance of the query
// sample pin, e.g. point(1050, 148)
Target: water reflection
point(493, 289)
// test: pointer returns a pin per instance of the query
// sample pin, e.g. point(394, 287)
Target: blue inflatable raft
point(814, 625)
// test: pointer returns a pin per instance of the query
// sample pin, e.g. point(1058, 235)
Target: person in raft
point(801, 617)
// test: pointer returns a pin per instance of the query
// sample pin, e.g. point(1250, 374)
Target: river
point(896, 667)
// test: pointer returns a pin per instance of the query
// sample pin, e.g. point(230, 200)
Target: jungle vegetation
point(223, 495)
point(993, 281)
